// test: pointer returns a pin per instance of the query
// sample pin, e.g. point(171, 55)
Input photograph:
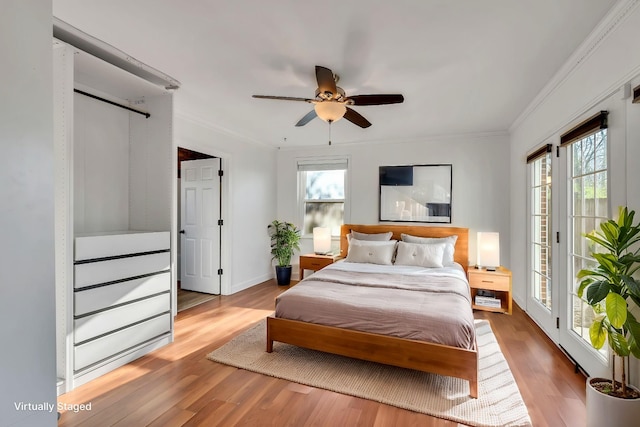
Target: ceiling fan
point(332, 104)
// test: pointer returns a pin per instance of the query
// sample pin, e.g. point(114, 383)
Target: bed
point(394, 342)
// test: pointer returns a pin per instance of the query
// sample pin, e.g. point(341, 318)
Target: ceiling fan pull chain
point(329, 133)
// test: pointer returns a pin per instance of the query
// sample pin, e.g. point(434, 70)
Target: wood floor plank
point(173, 417)
point(177, 386)
point(157, 403)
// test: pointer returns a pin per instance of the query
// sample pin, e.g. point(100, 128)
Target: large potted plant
point(285, 239)
point(614, 292)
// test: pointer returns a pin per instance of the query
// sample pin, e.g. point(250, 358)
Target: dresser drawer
point(94, 273)
point(490, 281)
point(95, 299)
point(89, 327)
point(109, 345)
point(309, 263)
point(108, 245)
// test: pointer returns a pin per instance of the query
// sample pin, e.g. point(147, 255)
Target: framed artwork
point(415, 193)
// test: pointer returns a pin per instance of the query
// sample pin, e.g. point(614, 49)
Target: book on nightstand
point(488, 301)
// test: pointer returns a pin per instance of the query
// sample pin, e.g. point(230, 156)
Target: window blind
point(322, 165)
point(591, 125)
point(539, 153)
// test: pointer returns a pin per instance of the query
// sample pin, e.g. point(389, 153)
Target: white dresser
point(122, 297)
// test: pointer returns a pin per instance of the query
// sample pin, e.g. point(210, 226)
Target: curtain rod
point(147, 115)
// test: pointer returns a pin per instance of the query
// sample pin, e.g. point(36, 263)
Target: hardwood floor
point(189, 299)
point(178, 386)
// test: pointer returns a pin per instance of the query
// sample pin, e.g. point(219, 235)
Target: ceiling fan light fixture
point(330, 111)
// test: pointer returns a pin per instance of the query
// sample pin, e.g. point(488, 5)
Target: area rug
point(499, 404)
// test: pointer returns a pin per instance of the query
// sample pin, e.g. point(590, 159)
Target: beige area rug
point(499, 404)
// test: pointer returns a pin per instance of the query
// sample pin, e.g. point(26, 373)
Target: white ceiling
point(463, 66)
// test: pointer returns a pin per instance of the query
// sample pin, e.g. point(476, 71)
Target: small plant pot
point(283, 275)
point(605, 410)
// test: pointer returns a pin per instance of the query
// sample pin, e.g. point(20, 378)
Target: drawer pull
point(487, 281)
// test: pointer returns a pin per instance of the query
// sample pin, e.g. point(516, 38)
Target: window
point(588, 207)
point(322, 187)
point(540, 217)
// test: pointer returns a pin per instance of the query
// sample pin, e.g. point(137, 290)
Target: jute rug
point(499, 404)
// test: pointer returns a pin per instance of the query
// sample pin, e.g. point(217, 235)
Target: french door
point(585, 171)
point(569, 195)
point(542, 303)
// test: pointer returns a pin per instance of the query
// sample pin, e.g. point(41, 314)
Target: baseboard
point(237, 287)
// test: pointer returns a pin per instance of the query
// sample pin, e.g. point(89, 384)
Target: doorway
point(198, 271)
point(572, 188)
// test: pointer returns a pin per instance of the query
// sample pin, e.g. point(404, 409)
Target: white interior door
point(200, 231)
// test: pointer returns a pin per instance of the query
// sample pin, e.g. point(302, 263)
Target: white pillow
point(449, 249)
point(423, 255)
point(369, 237)
point(375, 252)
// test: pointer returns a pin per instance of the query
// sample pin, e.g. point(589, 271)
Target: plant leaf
point(633, 327)
point(610, 230)
point(616, 308)
point(583, 285)
point(618, 343)
point(635, 350)
point(587, 273)
point(597, 291)
point(602, 242)
point(597, 334)
point(632, 285)
point(607, 262)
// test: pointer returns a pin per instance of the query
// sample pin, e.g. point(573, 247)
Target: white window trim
point(317, 163)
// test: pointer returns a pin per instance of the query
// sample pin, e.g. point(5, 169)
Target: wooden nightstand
point(315, 262)
point(498, 282)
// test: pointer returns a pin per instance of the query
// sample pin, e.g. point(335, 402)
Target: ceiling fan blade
point(307, 118)
point(379, 99)
point(326, 80)
point(356, 118)
point(283, 98)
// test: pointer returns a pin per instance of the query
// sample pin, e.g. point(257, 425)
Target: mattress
point(425, 304)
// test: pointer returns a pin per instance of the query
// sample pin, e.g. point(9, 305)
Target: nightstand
point(497, 284)
point(315, 262)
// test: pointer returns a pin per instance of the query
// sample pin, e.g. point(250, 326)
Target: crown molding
point(221, 130)
point(435, 138)
point(609, 24)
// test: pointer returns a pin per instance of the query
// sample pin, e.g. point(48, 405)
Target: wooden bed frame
point(405, 353)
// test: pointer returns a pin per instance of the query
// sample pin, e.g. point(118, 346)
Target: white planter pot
point(604, 410)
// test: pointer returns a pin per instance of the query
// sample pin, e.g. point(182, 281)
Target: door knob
point(181, 231)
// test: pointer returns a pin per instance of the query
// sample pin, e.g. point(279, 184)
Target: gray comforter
point(434, 308)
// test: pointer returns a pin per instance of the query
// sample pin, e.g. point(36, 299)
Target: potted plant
point(613, 292)
point(285, 239)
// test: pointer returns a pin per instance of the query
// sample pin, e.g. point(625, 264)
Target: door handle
point(181, 231)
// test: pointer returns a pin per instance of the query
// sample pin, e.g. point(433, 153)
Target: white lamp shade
point(488, 249)
point(330, 111)
point(321, 240)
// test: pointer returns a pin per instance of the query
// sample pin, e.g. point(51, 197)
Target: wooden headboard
point(461, 255)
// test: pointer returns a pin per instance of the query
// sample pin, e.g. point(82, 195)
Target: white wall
point(151, 165)
point(100, 166)
point(480, 196)
point(596, 75)
point(27, 318)
point(122, 165)
point(596, 78)
point(248, 200)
